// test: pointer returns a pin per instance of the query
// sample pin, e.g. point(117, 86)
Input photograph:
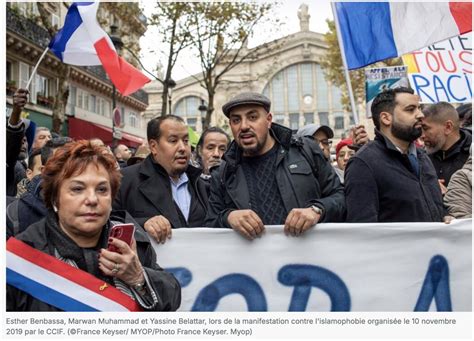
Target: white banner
point(443, 71)
point(333, 267)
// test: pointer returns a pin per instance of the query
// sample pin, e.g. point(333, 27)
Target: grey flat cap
point(310, 129)
point(246, 98)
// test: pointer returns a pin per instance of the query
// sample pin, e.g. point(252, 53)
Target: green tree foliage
point(334, 71)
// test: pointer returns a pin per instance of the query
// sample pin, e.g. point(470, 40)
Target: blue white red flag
point(82, 41)
point(61, 285)
point(374, 31)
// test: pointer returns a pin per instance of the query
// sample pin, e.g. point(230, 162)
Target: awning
point(80, 129)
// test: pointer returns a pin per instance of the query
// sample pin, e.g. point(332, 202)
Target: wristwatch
point(317, 210)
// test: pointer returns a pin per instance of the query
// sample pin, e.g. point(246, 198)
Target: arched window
point(188, 109)
point(300, 95)
point(133, 120)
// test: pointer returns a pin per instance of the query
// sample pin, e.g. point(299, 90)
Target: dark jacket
point(13, 147)
point(301, 182)
point(26, 210)
point(145, 192)
point(164, 284)
point(449, 161)
point(380, 186)
point(122, 164)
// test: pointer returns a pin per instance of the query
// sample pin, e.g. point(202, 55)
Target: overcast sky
point(287, 12)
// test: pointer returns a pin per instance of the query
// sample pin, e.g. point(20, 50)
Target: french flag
point(82, 42)
point(59, 284)
point(376, 31)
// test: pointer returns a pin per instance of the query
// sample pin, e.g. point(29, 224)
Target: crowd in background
point(64, 196)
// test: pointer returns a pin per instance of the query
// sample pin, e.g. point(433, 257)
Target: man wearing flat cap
point(268, 177)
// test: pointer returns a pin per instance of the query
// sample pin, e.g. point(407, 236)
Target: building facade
point(286, 70)
point(89, 105)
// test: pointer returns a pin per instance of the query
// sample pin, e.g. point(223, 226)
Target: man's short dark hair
point(51, 146)
point(117, 147)
point(203, 137)
point(385, 102)
point(441, 112)
point(211, 130)
point(467, 120)
point(32, 158)
point(153, 131)
point(463, 110)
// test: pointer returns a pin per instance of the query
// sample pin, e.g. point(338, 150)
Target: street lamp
point(171, 84)
point(118, 44)
point(203, 109)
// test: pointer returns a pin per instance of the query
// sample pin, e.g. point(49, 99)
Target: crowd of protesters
point(64, 196)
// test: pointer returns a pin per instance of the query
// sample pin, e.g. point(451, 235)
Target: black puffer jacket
point(38, 236)
point(301, 182)
point(449, 161)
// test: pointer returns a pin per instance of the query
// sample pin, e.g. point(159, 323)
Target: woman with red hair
point(79, 183)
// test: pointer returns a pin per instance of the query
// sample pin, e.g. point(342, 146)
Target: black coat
point(26, 210)
point(164, 284)
point(449, 161)
point(13, 148)
point(145, 192)
point(302, 183)
point(380, 186)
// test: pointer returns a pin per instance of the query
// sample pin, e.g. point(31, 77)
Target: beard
point(432, 149)
point(404, 132)
point(255, 150)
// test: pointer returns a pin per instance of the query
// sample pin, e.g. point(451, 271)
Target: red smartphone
point(123, 232)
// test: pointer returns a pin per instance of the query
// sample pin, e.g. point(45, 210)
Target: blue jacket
point(380, 186)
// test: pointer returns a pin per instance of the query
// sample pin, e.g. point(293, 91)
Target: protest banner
point(443, 71)
point(333, 267)
point(380, 79)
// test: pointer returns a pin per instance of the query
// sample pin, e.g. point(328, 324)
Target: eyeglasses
point(326, 142)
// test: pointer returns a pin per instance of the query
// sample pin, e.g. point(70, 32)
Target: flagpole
point(36, 67)
point(346, 71)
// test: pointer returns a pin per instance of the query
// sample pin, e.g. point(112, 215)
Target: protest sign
point(443, 71)
point(380, 79)
point(333, 267)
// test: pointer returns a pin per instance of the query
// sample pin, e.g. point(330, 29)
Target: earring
point(55, 209)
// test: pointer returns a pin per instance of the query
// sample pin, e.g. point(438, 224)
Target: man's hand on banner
point(247, 223)
point(300, 220)
point(159, 228)
point(448, 219)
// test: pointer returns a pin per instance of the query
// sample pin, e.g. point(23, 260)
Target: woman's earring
point(55, 209)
